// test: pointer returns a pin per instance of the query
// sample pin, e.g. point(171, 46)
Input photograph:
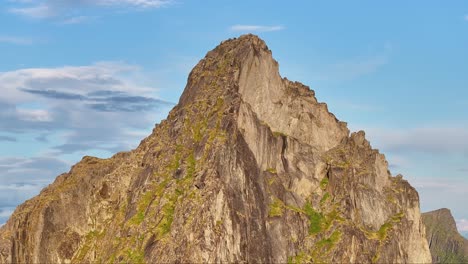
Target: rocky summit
point(247, 167)
point(445, 243)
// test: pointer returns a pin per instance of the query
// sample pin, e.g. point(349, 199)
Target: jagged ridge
point(248, 167)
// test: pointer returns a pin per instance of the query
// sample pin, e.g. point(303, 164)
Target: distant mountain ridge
point(445, 243)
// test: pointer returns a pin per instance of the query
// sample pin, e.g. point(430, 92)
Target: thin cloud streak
point(38, 11)
point(255, 28)
point(15, 40)
point(138, 3)
point(76, 20)
point(443, 139)
point(42, 9)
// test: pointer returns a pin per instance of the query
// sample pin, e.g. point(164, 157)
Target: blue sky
point(82, 77)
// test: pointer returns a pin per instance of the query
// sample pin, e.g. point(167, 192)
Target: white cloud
point(462, 225)
point(40, 9)
point(76, 20)
point(62, 99)
point(77, 79)
point(15, 40)
point(36, 11)
point(441, 184)
point(443, 139)
point(138, 3)
point(34, 115)
point(466, 17)
point(255, 28)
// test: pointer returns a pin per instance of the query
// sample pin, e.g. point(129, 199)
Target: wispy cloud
point(441, 184)
point(138, 3)
point(462, 225)
point(111, 92)
point(15, 40)
point(466, 17)
point(443, 139)
point(40, 9)
point(76, 20)
point(37, 11)
point(255, 28)
point(352, 68)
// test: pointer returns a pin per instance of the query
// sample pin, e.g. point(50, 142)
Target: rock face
point(248, 167)
point(445, 243)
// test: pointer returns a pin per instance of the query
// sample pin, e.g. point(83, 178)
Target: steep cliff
point(248, 167)
point(445, 243)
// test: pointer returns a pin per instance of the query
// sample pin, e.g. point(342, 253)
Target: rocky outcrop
point(248, 167)
point(445, 243)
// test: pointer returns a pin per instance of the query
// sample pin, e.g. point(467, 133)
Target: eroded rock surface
point(248, 167)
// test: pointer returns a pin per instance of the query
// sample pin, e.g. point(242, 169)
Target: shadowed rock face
point(248, 167)
point(445, 243)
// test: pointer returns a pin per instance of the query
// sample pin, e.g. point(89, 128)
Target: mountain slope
point(445, 243)
point(248, 167)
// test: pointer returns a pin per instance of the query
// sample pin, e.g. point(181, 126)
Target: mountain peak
point(226, 61)
point(248, 167)
point(247, 40)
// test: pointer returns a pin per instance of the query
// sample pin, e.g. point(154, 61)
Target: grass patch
point(324, 199)
point(138, 218)
point(330, 218)
point(136, 257)
point(295, 209)
point(276, 208)
point(331, 241)
point(380, 234)
point(90, 240)
point(271, 181)
point(324, 183)
point(315, 219)
point(198, 130)
point(167, 211)
point(397, 218)
point(375, 258)
point(279, 134)
point(302, 257)
point(383, 231)
point(191, 162)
